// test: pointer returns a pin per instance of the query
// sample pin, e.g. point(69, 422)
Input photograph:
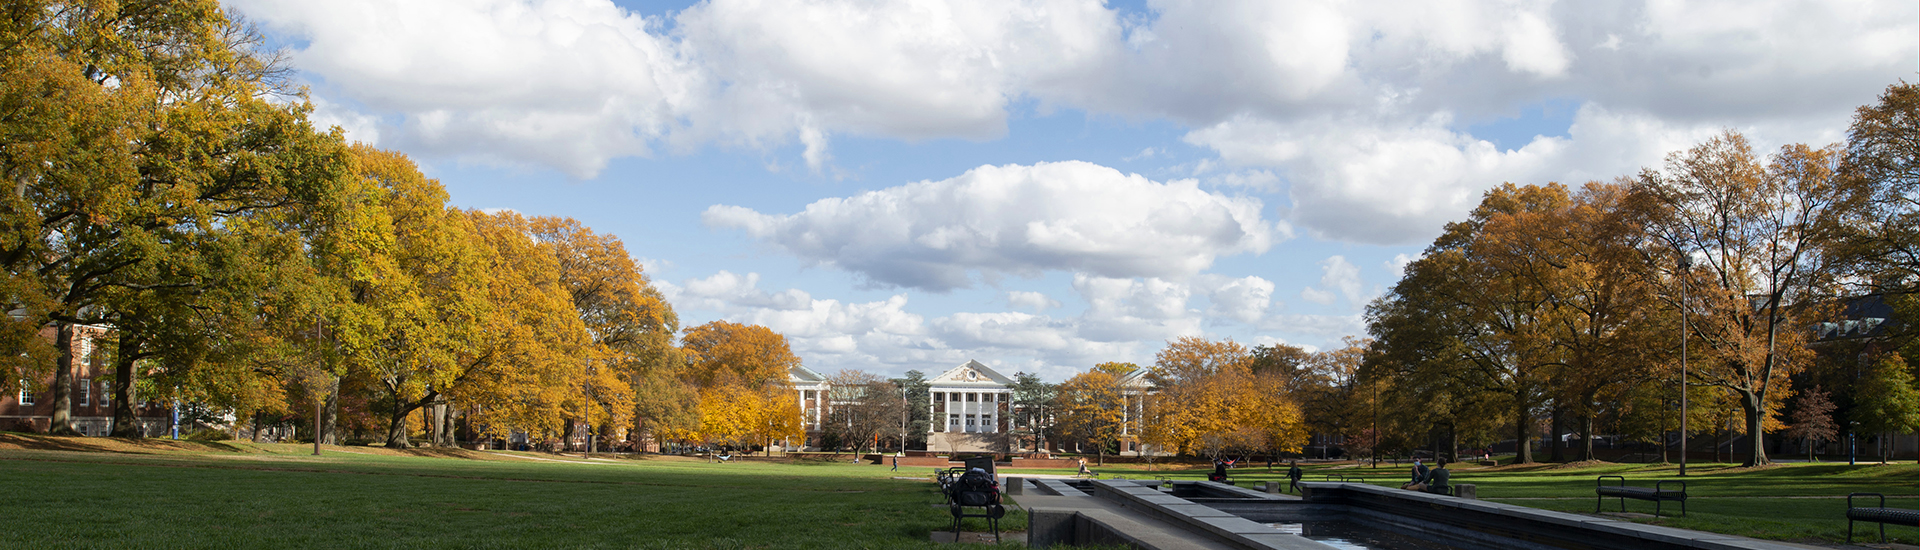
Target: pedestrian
point(896, 463)
point(1293, 477)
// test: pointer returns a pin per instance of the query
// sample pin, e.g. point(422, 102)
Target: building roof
point(800, 375)
point(1861, 317)
point(970, 373)
point(1137, 379)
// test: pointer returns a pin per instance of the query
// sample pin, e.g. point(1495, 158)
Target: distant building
point(31, 407)
point(969, 405)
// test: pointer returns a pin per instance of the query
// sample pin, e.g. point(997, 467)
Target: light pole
point(1686, 265)
point(904, 404)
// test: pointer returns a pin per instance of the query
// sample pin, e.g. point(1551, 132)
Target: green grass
point(276, 496)
point(95, 493)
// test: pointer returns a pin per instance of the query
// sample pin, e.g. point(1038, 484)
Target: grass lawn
point(1792, 501)
point(99, 493)
point(106, 493)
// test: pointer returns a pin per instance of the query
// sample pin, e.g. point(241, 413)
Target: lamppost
point(904, 404)
point(1686, 265)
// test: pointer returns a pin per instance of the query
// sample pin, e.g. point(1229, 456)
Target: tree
point(630, 323)
point(742, 375)
point(918, 415)
point(1033, 401)
point(1463, 333)
point(1091, 410)
point(415, 288)
point(1754, 232)
point(863, 408)
point(1210, 402)
point(136, 132)
point(1578, 251)
point(1813, 419)
point(529, 361)
point(1888, 402)
point(1878, 236)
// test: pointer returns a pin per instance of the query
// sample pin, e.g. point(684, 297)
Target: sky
point(1043, 185)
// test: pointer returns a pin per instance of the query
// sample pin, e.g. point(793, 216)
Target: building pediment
point(970, 373)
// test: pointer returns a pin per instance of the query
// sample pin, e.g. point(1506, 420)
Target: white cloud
point(1373, 181)
point(573, 83)
point(1244, 299)
point(1338, 278)
point(1125, 319)
point(1031, 300)
point(1018, 220)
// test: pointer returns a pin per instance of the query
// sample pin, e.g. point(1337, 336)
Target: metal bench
point(1878, 514)
point(1658, 493)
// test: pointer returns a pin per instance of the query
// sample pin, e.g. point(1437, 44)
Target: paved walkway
point(1156, 533)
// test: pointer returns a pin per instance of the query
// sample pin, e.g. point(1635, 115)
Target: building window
point(26, 394)
point(953, 419)
point(973, 397)
point(106, 393)
point(86, 349)
point(86, 392)
point(954, 397)
point(939, 396)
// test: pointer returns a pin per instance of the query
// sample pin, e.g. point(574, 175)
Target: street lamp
point(1686, 265)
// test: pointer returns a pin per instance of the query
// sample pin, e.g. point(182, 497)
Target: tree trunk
point(397, 425)
point(1523, 431)
point(1453, 443)
point(256, 427)
point(437, 423)
point(1559, 443)
point(125, 423)
point(330, 418)
point(1751, 403)
point(1586, 436)
point(62, 423)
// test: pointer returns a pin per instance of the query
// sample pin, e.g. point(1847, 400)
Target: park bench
point(1878, 514)
point(1658, 493)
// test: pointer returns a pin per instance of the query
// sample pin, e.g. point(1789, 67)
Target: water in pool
point(1348, 536)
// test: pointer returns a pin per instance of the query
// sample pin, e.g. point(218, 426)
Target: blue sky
point(1043, 185)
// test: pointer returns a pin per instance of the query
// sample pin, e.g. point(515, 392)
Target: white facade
point(810, 388)
point(970, 406)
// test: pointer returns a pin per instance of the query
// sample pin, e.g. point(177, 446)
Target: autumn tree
point(742, 375)
point(1577, 249)
point(630, 323)
point(1459, 334)
point(136, 131)
point(1210, 402)
point(528, 362)
point(1091, 409)
point(1813, 419)
point(1753, 233)
point(1877, 237)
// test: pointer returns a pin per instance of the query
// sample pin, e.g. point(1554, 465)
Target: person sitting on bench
point(1438, 478)
point(1419, 482)
point(1219, 472)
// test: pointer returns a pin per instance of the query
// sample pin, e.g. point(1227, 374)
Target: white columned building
point(970, 408)
point(811, 389)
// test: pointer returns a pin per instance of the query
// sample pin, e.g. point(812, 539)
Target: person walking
point(896, 463)
point(1293, 477)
